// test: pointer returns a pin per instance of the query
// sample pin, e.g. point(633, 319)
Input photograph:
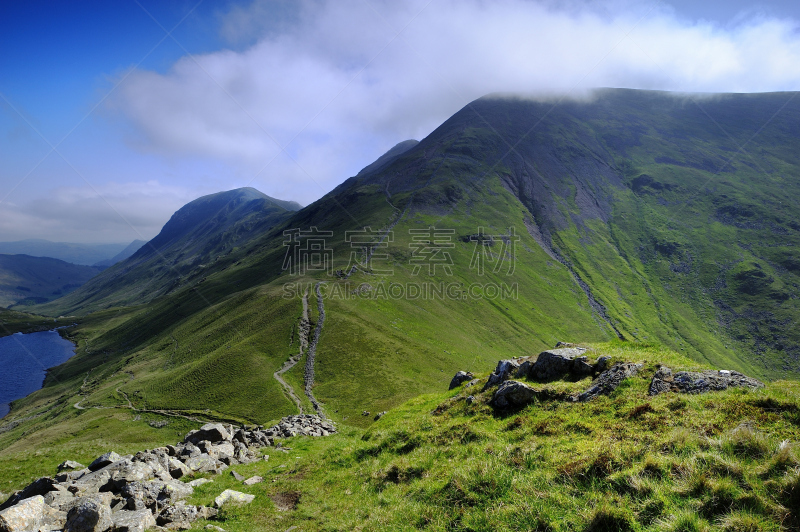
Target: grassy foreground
point(719, 461)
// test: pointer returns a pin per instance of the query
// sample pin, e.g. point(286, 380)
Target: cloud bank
point(326, 86)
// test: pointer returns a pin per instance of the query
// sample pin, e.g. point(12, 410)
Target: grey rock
point(138, 521)
point(376, 418)
point(69, 465)
point(695, 382)
point(178, 469)
point(25, 515)
point(90, 515)
point(37, 487)
point(609, 380)
point(513, 393)
point(253, 480)
point(59, 499)
point(557, 363)
point(199, 482)
point(52, 520)
point(213, 432)
point(185, 514)
point(237, 476)
point(501, 373)
point(222, 449)
point(203, 464)
point(470, 399)
point(460, 378)
point(104, 460)
point(233, 497)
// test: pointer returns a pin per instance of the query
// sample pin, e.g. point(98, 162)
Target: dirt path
point(304, 328)
point(308, 374)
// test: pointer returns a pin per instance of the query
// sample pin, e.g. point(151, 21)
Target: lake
point(24, 359)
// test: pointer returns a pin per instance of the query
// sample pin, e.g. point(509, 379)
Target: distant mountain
point(132, 248)
point(84, 254)
point(28, 280)
point(633, 216)
point(197, 238)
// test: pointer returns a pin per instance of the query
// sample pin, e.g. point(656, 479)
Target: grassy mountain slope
point(618, 231)
point(27, 280)
point(189, 246)
point(624, 462)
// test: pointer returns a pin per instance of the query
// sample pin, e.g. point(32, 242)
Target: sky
point(115, 114)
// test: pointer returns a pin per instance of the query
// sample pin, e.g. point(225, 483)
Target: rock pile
point(302, 425)
point(700, 381)
point(142, 492)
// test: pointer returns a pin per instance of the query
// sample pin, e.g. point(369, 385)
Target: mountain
point(197, 239)
point(132, 248)
point(396, 151)
point(26, 280)
point(635, 217)
point(83, 254)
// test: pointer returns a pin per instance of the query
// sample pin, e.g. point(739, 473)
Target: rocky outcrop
point(609, 380)
point(134, 493)
point(460, 378)
point(554, 364)
point(699, 381)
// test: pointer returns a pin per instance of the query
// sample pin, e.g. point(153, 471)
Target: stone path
point(304, 329)
point(312, 352)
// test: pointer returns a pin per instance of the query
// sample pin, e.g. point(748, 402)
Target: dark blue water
point(24, 358)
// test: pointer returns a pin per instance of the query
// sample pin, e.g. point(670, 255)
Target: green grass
point(716, 462)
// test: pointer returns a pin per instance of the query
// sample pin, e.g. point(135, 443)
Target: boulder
point(178, 469)
point(25, 515)
point(90, 515)
point(513, 394)
point(69, 465)
point(199, 482)
point(213, 432)
point(203, 464)
point(237, 476)
point(222, 449)
point(233, 497)
point(52, 519)
point(460, 378)
point(104, 460)
point(609, 380)
point(253, 480)
point(59, 499)
point(183, 515)
point(37, 487)
point(558, 363)
point(700, 381)
point(501, 373)
point(128, 521)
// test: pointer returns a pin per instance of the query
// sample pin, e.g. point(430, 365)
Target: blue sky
point(109, 125)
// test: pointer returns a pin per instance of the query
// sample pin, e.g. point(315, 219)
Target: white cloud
point(333, 82)
point(113, 212)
